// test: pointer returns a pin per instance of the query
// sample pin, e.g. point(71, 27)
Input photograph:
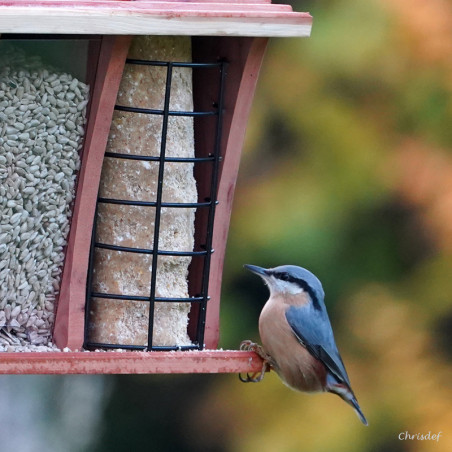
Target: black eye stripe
point(286, 277)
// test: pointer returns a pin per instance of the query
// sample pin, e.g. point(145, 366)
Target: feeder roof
point(150, 17)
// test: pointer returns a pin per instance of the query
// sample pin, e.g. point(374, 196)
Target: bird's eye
point(284, 276)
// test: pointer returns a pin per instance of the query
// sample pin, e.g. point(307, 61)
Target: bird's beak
point(258, 270)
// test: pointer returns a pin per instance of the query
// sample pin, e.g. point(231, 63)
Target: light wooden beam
point(207, 18)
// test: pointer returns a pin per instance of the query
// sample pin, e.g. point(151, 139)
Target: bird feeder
point(122, 124)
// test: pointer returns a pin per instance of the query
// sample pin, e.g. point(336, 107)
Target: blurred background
point(347, 170)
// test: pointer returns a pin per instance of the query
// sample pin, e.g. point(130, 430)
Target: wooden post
point(69, 322)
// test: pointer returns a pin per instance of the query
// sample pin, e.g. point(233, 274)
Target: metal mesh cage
point(206, 171)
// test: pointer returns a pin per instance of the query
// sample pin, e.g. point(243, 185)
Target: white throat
point(278, 286)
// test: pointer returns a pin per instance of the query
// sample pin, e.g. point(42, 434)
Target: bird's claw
point(256, 377)
point(250, 346)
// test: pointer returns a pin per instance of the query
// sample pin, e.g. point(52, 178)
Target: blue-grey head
point(290, 279)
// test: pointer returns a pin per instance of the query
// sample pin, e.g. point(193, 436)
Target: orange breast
point(294, 364)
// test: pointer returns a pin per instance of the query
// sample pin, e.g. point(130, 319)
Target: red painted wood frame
point(245, 57)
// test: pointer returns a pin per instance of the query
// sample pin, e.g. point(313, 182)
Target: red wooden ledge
point(207, 361)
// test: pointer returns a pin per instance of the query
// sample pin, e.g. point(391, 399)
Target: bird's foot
point(250, 346)
point(256, 377)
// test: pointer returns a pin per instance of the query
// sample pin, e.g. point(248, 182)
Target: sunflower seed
point(15, 312)
point(42, 116)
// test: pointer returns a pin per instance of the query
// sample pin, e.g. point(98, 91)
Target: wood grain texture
point(218, 18)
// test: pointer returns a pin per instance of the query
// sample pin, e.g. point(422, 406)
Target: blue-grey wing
point(314, 332)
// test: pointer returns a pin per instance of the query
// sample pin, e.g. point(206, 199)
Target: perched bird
point(297, 338)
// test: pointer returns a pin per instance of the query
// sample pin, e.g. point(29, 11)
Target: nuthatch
point(297, 338)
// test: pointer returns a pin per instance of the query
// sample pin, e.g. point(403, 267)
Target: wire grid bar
point(127, 202)
point(143, 298)
point(149, 158)
point(210, 203)
point(143, 348)
point(128, 249)
point(151, 111)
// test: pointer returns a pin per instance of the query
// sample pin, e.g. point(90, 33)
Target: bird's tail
point(347, 396)
point(354, 403)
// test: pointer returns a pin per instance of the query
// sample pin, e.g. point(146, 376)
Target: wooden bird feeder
point(122, 129)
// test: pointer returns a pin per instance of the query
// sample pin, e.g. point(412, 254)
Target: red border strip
point(207, 361)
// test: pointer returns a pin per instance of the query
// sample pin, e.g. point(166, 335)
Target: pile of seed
point(42, 117)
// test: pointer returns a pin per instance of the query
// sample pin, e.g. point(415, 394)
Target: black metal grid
point(213, 158)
